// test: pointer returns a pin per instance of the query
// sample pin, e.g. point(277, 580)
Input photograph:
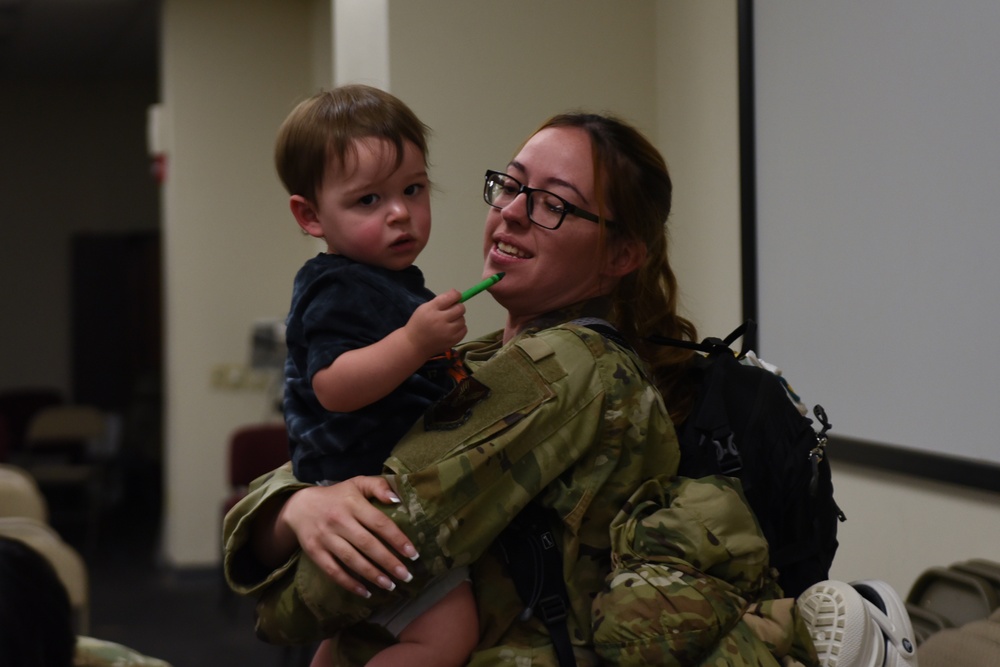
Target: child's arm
point(360, 377)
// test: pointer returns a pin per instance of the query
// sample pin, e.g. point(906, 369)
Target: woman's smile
point(510, 250)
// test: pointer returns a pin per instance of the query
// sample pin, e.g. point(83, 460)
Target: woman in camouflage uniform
point(554, 411)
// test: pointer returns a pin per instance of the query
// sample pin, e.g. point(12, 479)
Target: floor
point(182, 616)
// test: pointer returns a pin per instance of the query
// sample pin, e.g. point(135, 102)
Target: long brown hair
point(633, 187)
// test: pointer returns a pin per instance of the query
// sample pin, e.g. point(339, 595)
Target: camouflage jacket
point(559, 413)
point(691, 583)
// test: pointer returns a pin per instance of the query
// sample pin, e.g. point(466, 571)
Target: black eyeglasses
point(545, 209)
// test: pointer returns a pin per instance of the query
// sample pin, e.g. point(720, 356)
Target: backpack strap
point(534, 562)
point(710, 420)
point(532, 555)
point(604, 328)
point(710, 345)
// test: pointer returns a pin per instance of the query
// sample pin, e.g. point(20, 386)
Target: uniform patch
point(456, 407)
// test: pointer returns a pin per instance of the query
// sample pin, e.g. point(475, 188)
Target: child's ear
point(306, 215)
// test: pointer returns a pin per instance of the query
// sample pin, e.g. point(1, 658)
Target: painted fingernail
point(386, 583)
point(395, 499)
point(411, 552)
point(363, 592)
point(403, 575)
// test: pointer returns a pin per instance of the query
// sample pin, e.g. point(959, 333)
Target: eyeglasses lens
point(544, 208)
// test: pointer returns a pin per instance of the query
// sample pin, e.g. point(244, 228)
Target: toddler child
point(368, 344)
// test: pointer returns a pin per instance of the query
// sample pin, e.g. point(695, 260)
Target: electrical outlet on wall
point(229, 376)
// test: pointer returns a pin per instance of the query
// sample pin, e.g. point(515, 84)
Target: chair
point(20, 496)
point(65, 560)
point(66, 448)
point(958, 597)
point(987, 570)
point(17, 407)
point(974, 644)
point(926, 622)
point(253, 451)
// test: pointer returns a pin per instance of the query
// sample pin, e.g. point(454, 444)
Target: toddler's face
point(372, 211)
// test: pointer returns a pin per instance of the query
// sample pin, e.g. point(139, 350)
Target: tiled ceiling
point(74, 38)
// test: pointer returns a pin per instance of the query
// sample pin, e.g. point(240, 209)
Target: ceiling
point(78, 38)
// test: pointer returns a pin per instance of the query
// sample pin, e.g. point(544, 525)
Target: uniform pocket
point(499, 394)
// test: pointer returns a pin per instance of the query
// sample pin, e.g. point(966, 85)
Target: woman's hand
point(340, 530)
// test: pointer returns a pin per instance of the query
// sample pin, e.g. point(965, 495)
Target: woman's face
point(547, 269)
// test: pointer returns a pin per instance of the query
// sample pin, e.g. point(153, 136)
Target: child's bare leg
point(445, 634)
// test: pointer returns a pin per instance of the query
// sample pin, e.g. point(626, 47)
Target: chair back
point(20, 495)
point(18, 406)
point(62, 426)
point(70, 449)
point(255, 450)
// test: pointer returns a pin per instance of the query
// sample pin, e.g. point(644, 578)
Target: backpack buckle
point(551, 609)
point(727, 455)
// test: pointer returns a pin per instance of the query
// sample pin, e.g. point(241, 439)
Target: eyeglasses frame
point(568, 208)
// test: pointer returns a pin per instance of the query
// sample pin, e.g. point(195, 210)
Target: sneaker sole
point(841, 627)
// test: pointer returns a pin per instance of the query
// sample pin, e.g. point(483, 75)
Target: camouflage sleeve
point(243, 572)
point(691, 583)
point(466, 470)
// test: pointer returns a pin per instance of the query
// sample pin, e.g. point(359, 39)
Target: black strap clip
point(551, 609)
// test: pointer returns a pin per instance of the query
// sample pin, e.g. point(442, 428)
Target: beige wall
point(698, 118)
point(484, 88)
point(231, 73)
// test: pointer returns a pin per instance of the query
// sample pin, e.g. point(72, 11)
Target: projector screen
point(877, 138)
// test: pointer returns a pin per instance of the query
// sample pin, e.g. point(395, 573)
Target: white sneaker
point(841, 625)
point(888, 610)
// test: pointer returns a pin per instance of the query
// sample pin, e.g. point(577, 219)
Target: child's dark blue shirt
point(339, 305)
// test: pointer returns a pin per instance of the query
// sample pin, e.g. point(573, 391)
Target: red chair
point(254, 450)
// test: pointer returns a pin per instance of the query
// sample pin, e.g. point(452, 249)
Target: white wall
point(876, 147)
point(878, 161)
point(361, 42)
point(667, 65)
point(898, 526)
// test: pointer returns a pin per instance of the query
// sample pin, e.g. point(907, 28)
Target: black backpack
point(745, 424)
